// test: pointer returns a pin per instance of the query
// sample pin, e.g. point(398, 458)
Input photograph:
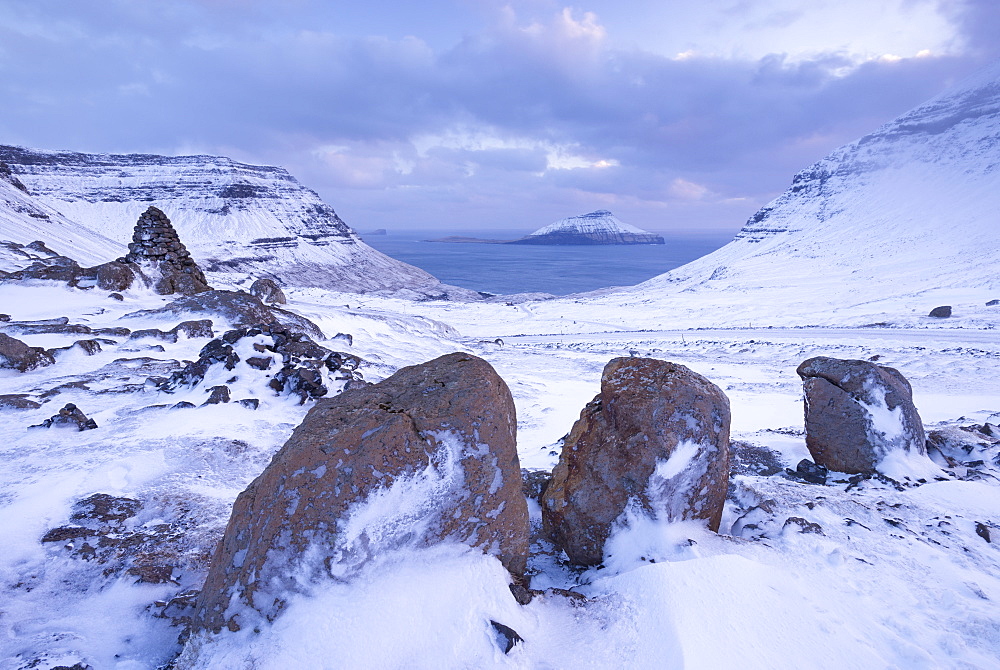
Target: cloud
point(537, 112)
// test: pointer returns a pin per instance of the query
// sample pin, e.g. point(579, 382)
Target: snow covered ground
point(894, 579)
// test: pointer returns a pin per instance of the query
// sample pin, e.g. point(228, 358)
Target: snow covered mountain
point(600, 227)
point(232, 216)
point(911, 209)
point(23, 219)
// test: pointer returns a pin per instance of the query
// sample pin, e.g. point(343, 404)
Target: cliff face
point(600, 227)
point(232, 216)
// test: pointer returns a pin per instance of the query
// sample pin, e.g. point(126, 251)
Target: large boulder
point(115, 275)
point(22, 357)
point(655, 439)
point(426, 456)
point(268, 291)
point(857, 413)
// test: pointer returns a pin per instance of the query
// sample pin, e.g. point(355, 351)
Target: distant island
point(599, 227)
point(377, 231)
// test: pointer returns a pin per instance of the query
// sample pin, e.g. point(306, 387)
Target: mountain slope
point(232, 216)
point(911, 208)
point(23, 219)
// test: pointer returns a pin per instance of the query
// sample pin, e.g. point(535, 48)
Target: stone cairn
point(156, 242)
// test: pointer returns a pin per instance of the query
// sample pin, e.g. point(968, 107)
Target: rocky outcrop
point(655, 439)
point(857, 413)
point(267, 290)
point(426, 456)
point(68, 416)
point(942, 312)
point(16, 355)
point(155, 243)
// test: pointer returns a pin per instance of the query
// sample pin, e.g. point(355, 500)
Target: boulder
point(425, 456)
point(199, 328)
point(993, 303)
point(856, 413)
point(17, 355)
point(942, 312)
point(114, 276)
point(18, 401)
point(655, 439)
point(267, 290)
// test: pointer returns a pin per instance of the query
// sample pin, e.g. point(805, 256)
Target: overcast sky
point(482, 114)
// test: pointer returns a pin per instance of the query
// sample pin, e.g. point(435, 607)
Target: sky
point(677, 115)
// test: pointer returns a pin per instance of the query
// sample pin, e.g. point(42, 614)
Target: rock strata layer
point(655, 440)
point(857, 413)
point(425, 456)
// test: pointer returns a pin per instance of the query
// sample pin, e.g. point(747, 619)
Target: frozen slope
point(24, 220)
point(907, 215)
point(232, 216)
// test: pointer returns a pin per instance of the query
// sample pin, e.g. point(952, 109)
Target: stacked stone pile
point(156, 242)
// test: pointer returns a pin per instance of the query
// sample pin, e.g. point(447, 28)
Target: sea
point(560, 270)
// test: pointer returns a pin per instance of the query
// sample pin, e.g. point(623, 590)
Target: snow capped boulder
point(267, 290)
point(426, 456)
point(654, 441)
point(600, 227)
point(858, 414)
point(17, 355)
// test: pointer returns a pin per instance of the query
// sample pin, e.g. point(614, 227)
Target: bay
point(560, 270)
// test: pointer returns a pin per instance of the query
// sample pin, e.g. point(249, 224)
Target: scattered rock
point(105, 508)
point(808, 471)
point(154, 333)
point(856, 413)
point(115, 276)
point(116, 296)
point(657, 436)
point(89, 347)
point(4, 318)
point(983, 531)
point(249, 403)
point(267, 290)
point(752, 459)
point(802, 525)
point(155, 245)
point(993, 303)
point(219, 394)
point(440, 434)
point(183, 404)
point(16, 355)
point(942, 312)
point(505, 636)
point(70, 415)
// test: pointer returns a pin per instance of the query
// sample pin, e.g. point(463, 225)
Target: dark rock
point(993, 303)
point(114, 331)
point(856, 413)
point(16, 355)
point(260, 362)
point(810, 472)
point(533, 483)
point(802, 525)
point(268, 291)
point(17, 401)
point(505, 636)
point(219, 395)
point(183, 404)
point(68, 534)
point(155, 333)
point(114, 276)
point(942, 312)
point(657, 436)
point(116, 296)
point(522, 595)
point(4, 318)
point(89, 347)
point(446, 426)
point(190, 329)
point(70, 415)
point(51, 328)
point(153, 574)
point(983, 531)
point(250, 403)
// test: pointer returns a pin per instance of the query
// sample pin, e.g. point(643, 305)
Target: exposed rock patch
point(425, 456)
point(16, 355)
point(942, 312)
point(655, 438)
point(857, 413)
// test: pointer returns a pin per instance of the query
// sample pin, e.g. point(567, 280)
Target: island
point(600, 227)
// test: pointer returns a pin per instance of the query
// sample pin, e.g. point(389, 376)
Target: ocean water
point(560, 270)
